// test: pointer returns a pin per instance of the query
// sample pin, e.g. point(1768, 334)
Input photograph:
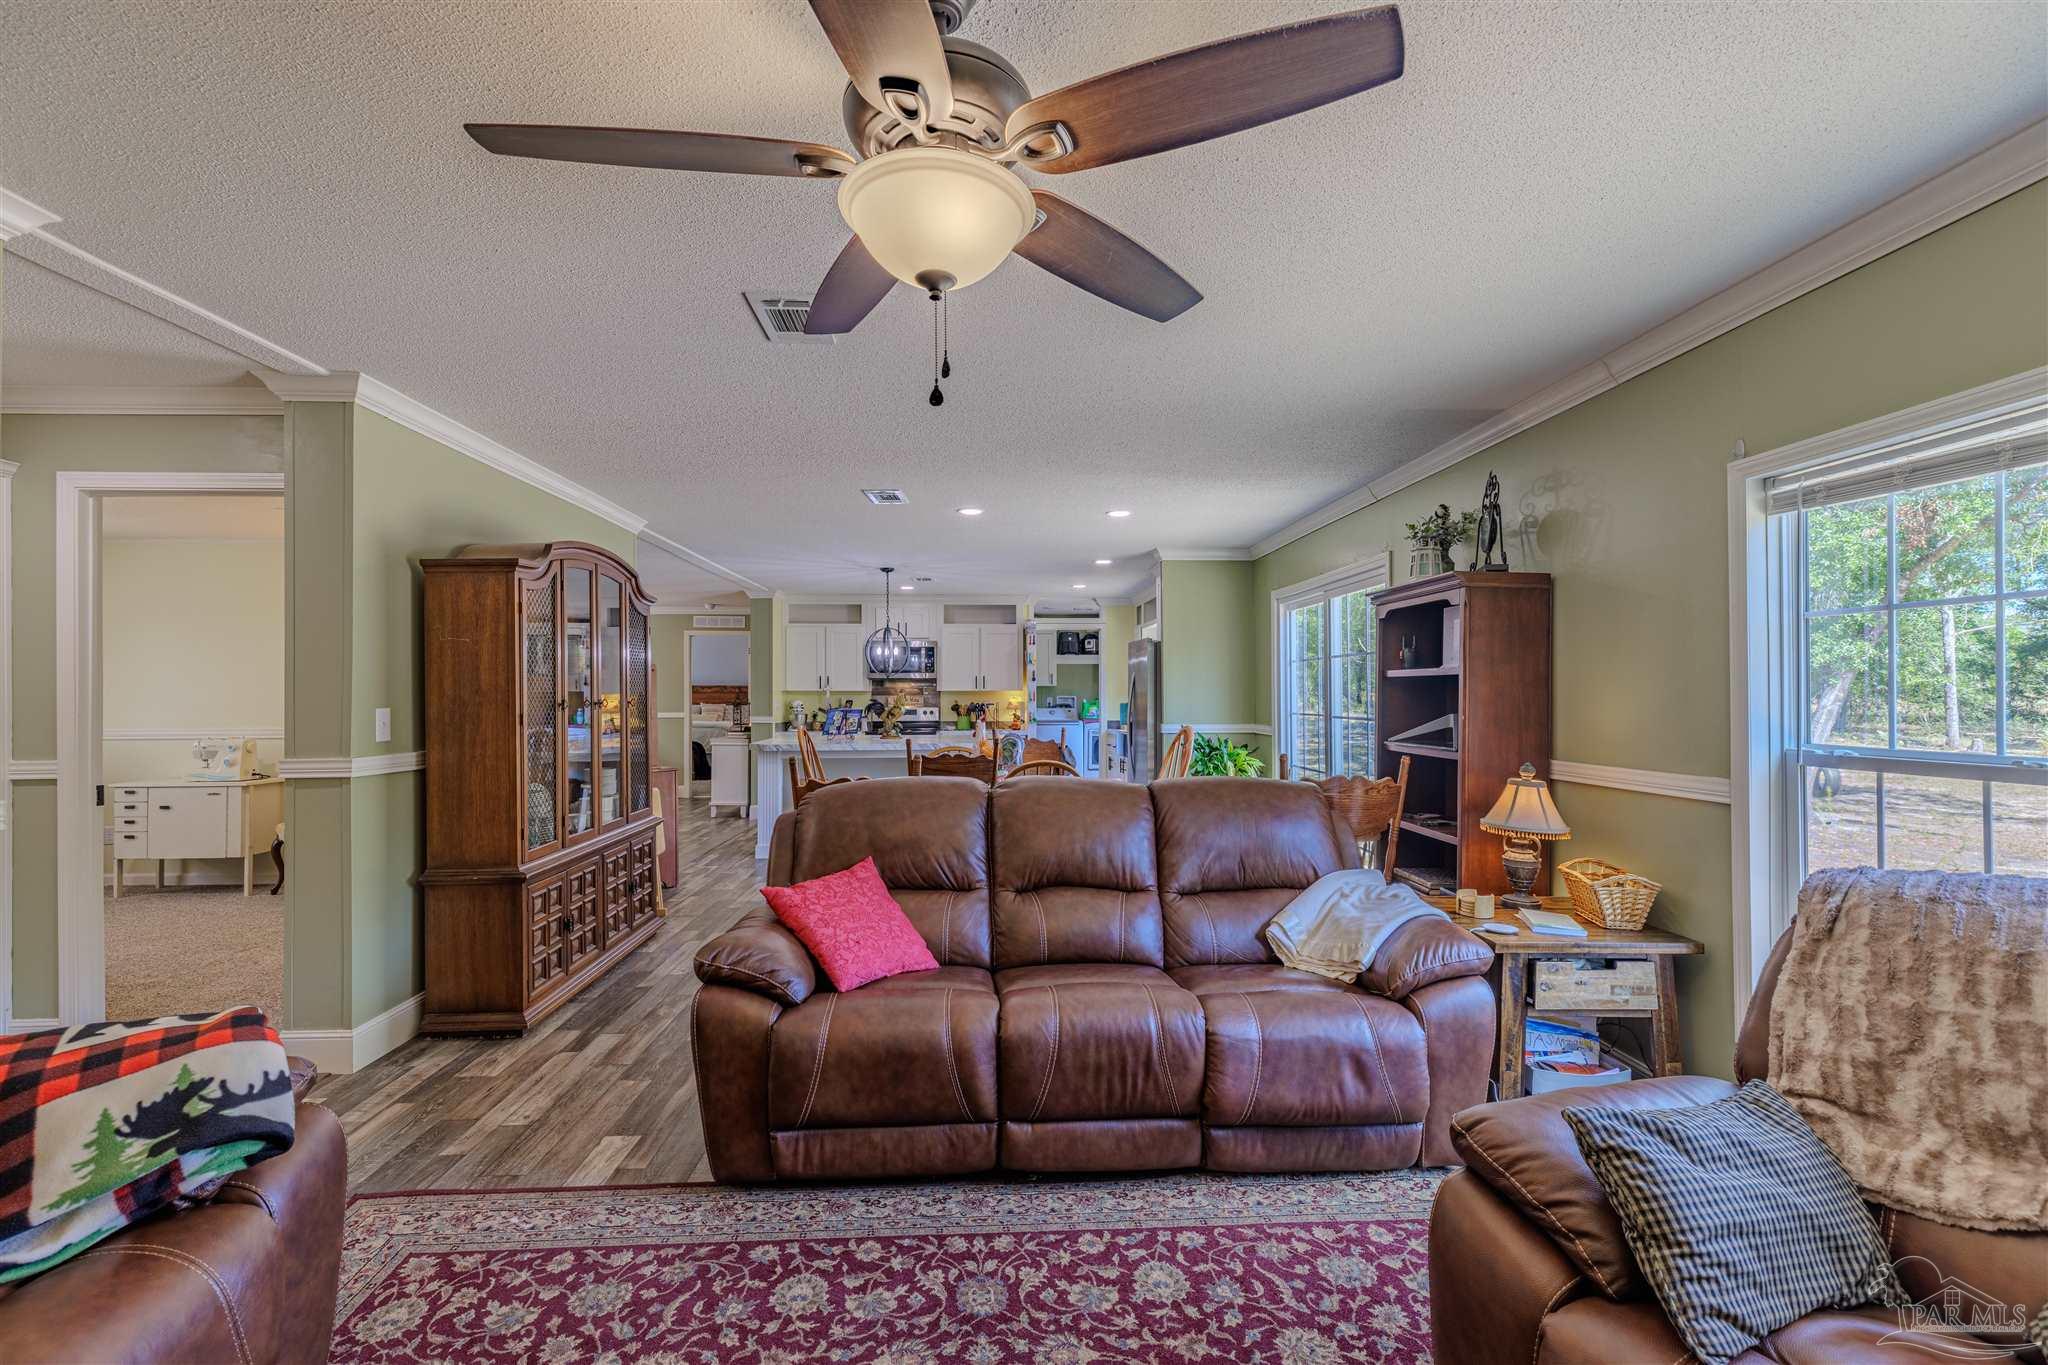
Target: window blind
point(2012, 441)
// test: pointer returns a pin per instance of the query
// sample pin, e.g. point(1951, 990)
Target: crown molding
point(211, 399)
point(19, 216)
point(1241, 552)
point(1985, 178)
point(336, 386)
point(704, 562)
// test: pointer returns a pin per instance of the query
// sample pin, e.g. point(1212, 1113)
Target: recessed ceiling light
point(1103, 561)
point(1121, 512)
point(970, 511)
point(1079, 586)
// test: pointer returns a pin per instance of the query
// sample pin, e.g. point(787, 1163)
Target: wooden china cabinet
point(540, 869)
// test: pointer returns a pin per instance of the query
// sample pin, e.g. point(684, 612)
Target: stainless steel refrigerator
point(1142, 692)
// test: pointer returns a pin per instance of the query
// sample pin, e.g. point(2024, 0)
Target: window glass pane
point(1841, 818)
point(1308, 686)
point(2019, 819)
point(1948, 678)
point(1933, 823)
point(1948, 540)
point(1845, 552)
point(1307, 629)
point(1358, 755)
point(2026, 529)
point(1351, 623)
point(1848, 663)
point(1311, 758)
point(2026, 676)
point(1354, 676)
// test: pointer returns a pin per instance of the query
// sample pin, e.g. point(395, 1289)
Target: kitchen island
point(843, 756)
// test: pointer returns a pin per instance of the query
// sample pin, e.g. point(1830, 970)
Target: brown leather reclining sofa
point(247, 1277)
point(1104, 1000)
point(1527, 1261)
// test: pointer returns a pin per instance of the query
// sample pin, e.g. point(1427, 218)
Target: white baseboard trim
point(185, 881)
point(1685, 786)
point(342, 1051)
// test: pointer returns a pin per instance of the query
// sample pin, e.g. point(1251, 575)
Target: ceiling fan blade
point(1090, 254)
point(1217, 89)
point(661, 149)
point(852, 288)
point(892, 40)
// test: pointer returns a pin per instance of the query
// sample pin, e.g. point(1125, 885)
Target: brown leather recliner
point(1528, 1263)
point(1104, 998)
point(248, 1277)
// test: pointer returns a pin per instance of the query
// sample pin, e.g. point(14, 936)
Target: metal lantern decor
point(888, 647)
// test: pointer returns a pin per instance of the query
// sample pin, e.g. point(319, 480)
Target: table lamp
point(1525, 814)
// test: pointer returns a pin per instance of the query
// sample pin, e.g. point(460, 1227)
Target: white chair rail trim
point(1685, 786)
point(375, 765)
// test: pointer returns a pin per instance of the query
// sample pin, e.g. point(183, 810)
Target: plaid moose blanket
point(103, 1124)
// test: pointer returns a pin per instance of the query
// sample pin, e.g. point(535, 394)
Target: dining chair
point(1372, 808)
point(1042, 767)
point(807, 749)
point(800, 788)
point(1180, 752)
point(954, 763)
point(1045, 750)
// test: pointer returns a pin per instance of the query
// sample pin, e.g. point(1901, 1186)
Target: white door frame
point(81, 835)
point(687, 786)
point(8, 469)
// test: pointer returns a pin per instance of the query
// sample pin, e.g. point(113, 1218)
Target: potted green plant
point(1433, 537)
point(1221, 756)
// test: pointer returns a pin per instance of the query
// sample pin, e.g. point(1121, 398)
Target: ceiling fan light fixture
point(936, 217)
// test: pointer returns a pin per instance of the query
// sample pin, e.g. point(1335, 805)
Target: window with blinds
point(1919, 578)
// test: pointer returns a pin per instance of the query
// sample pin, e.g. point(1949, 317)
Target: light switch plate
point(383, 725)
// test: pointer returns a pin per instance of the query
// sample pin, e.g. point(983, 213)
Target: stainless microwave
point(920, 664)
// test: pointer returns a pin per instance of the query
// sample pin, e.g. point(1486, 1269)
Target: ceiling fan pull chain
point(937, 397)
point(946, 333)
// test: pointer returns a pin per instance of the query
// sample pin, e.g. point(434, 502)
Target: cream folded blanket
point(1336, 925)
point(1910, 1029)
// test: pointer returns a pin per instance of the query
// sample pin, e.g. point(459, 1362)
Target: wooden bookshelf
point(1482, 655)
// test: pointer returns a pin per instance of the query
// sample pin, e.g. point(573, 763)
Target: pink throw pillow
point(852, 925)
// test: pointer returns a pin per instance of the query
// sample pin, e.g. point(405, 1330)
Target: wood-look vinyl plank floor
point(600, 1093)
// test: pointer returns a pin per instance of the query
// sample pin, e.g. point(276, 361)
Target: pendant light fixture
point(888, 648)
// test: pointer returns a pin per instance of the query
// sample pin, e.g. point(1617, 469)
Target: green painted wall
point(1624, 500)
point(668, 645)
point(42, 445)
point(413, 499)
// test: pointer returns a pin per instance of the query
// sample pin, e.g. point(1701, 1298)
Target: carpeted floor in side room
point(178, 951)
point(1302, 1270)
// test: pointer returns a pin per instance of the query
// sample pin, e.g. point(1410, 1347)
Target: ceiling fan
point(938, 121)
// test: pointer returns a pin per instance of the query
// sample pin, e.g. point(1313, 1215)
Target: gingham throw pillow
point(1740, 1217)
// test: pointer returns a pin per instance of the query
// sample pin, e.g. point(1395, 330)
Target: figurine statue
point(1490, 537)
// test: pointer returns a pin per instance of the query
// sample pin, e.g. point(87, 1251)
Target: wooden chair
point(1180, 752)
point(807, 750)
point(800, 787)
point(1045, 751)
point(1371, 806)
point(1042, 767)
point(952, 763)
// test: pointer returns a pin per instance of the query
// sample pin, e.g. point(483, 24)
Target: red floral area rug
point(1295, 1269)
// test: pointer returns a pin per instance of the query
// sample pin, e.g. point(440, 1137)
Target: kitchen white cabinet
point(917, 620)
point(803, 658)
point(729, 774)
point(959, 658)
point(846, 659)
point(980, 658)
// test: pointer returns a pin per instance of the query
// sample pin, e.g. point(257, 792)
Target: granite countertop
point(784, 742)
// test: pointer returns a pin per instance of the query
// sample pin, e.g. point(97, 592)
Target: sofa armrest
point(1525, 1150)
point(759, 954)
point(1421, 952)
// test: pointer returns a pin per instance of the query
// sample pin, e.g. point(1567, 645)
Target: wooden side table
point(1514, 952)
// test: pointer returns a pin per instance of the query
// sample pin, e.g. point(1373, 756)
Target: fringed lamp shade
point(1525, 813)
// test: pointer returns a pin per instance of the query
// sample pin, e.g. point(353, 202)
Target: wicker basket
point(1606, 895)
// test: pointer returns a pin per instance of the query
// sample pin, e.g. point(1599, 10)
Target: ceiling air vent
point(781, 315)
point(885, 497)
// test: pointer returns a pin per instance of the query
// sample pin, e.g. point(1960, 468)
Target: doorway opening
point(173, 846)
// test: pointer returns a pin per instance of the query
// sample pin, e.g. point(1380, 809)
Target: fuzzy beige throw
point(1910, 1028)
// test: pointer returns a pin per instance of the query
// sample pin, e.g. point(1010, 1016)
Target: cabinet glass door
point(611, 672)
point(540, 662)
point(638, 768)
point(579, 693)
